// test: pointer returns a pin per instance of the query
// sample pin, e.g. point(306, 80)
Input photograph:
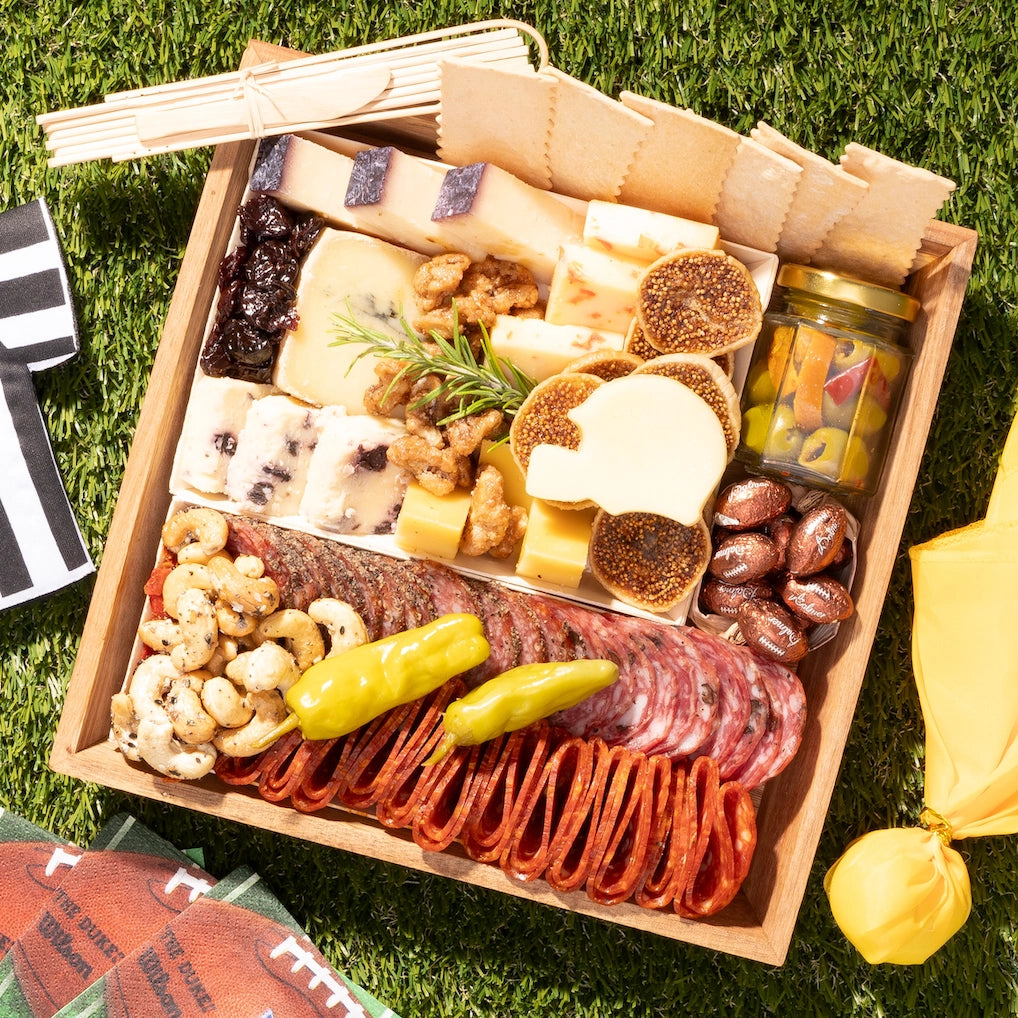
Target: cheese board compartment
point(759, 923)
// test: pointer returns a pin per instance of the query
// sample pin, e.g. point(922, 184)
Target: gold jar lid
point(832, 286)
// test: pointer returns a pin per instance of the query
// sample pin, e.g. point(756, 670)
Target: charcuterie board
point(759, 923)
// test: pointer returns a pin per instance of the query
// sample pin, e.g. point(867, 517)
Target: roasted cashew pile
point(223, 658)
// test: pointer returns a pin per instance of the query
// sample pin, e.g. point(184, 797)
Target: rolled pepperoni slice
point(324, 773)
point(699, 809)
point(654, 890)
point(284, 770)
point(489, 830)
point(623, 864)
point(573, 843)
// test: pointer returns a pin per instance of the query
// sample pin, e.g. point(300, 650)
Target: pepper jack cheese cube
point(555, 544)
point(484, 205)
point(431, 525)
point(354, 276)
point(593, 289)
point(642, 234)
point(542, 348)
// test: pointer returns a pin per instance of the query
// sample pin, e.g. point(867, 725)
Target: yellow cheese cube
point(430, 524)
point(514, 481)
point(594, 289)
point(555, 544)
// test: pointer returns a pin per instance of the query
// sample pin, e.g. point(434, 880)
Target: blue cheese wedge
point(351, 486)
point(356, 277)
point(217, 410)
point(268, 472)
point(647, 444)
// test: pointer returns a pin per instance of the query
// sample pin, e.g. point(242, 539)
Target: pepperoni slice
point(565, 776)
point(572, 845)
point(623, 863)
point(699, 809)
point(324, 774)
point(669, 841)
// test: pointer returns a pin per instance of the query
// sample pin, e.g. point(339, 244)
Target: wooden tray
point(759, 923)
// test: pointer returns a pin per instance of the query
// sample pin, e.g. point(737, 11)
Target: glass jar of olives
point(825, 380)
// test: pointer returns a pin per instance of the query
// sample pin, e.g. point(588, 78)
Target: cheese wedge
point(647, 444)
point(354, 276)
point(484, 205)
point(543, 349)
point(642, 234)
point(555, 544)
point(594, 289)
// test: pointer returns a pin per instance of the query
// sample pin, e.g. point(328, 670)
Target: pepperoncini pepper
point(342, 693)
point(518, 698)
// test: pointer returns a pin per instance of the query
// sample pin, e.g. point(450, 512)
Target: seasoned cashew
point(234, 623)
point(299, 634)
point(250, 566)
point(198, 630)
point(193, 553)
point(204, 526)
point(191, 723)
point(269, 666)
point(149, 683)
point(256, 596)
point(159, 747)
point(225, 702)
point(125, 725)
point(181, 578)
point(345, 627)
point(160, 634)
point(269, 711)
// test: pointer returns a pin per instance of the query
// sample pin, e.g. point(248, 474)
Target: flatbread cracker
point(682, 164)
point(756, 196)
point(491, 114)
point(878, 240)
point(594, 139)
point(826, 193)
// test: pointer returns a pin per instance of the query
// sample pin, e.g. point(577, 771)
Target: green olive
point(784, 437)
point(823, 451)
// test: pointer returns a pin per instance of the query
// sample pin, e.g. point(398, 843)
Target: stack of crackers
point(864, 216)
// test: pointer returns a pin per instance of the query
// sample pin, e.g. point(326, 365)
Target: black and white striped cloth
point(41, 548)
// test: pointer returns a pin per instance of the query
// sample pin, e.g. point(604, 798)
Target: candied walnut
point(465, 434)
point(390, 391)
point(492, 526)
point(500, 285)
point(438, 470)
point(439, 278)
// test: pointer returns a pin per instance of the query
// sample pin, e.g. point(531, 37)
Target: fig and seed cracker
point(126, 886)
point(33, 862)
point(235, 951)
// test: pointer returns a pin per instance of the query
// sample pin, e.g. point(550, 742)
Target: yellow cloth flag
point(898, 896)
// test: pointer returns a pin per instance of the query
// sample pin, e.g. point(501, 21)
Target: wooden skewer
point(378, 81)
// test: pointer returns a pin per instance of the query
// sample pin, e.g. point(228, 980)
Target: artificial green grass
point(933, 84)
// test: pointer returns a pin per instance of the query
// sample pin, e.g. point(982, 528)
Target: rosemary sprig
point(475, 383)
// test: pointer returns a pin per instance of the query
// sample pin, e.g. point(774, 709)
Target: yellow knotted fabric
point(899, 895)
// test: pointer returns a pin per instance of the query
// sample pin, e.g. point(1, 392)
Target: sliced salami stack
point(681, 693)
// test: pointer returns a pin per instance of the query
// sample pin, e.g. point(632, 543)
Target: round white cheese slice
point(648, 444)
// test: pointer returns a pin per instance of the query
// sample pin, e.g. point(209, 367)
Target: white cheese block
point(484, 205)
point(647, 444)
point(305, 176)
point(543, 349)
point(216, 412)
point(642, 234)
point(352, 488)
point(353, 276)
point(594, 289)
point(267, 474)
point(392, 196)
